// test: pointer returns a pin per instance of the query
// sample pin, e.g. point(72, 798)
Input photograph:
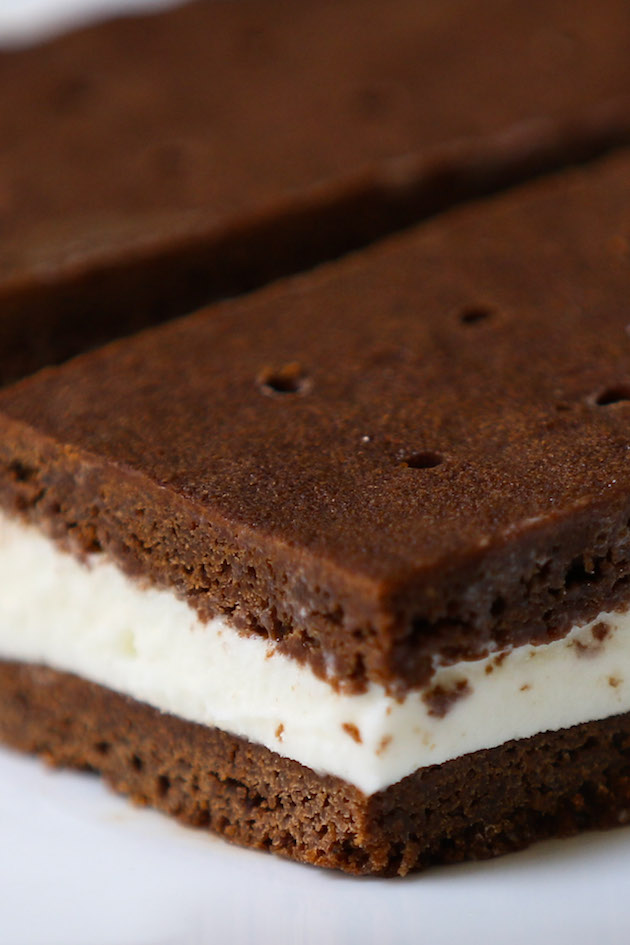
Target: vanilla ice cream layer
point(90, 619)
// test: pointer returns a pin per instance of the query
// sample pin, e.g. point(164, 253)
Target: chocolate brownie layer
point(157, 162)
point(474, 807)
point(418, 453)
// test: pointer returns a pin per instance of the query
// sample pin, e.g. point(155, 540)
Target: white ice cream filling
point(92, 620)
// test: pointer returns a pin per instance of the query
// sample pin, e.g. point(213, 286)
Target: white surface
point(21, 21)
point(89, 619)
point(79, 866)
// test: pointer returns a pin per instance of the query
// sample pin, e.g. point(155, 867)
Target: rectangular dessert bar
point(341, 569)
point(154, 163)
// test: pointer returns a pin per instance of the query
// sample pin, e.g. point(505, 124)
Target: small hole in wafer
point(473, 314)
point(288, 379)
point(613, 395)
point(426, 459)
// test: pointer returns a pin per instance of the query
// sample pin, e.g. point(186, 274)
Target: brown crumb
point(525, 686)
point(499, 659)
point(586, 649)
point(614, 681)
point(384, 743)
point(600, 631)
point(280, 732)
point(441, 699)
point(489, 669)
point(352, 731)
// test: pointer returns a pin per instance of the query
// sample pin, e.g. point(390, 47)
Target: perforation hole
point(616, 394)
point(288, 379)
point(426, 459)
point(474, 314)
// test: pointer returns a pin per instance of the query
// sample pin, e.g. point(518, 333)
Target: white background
point(79, 866)
point(23, 20)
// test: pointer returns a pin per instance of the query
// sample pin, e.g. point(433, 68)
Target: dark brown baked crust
point(446, 468)
point(477, 806)
point(250, 140)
